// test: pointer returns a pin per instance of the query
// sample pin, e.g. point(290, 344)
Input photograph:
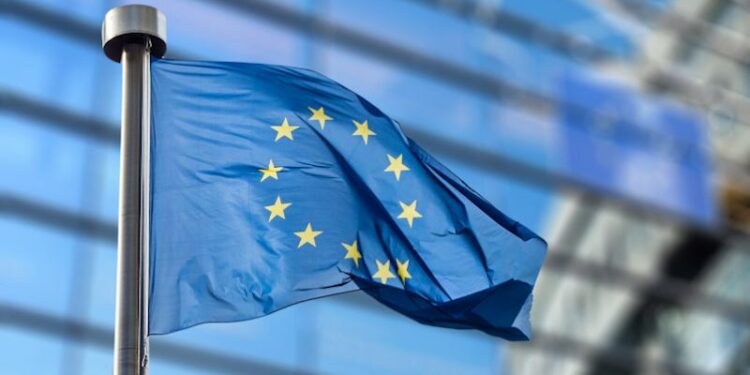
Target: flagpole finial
point(133, 24)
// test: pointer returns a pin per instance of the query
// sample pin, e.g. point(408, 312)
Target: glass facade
point(59, 164)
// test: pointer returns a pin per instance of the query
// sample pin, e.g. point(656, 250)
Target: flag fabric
point(274, 185)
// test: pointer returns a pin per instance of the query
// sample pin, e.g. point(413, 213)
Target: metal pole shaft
point(131, 34)
point(132, 242)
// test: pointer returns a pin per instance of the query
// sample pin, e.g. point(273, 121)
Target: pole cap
point(133, 24)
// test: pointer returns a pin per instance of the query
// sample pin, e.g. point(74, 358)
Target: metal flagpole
point(130, 35)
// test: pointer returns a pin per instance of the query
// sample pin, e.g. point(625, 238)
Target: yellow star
point(277, 209)
point(284, 130)
point(409, 212)
point(352, 252)
point(396, 165)
point(363, 130)
point(384, 272)
point(307, 236)
point(403, 271)
point(320, 116)
point(272, 171)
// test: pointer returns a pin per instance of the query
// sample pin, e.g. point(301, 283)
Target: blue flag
point(274, 185)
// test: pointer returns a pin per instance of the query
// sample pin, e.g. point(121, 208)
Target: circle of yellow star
point(307, 236)
point(396, 165)
point(284, 130)
point(277, 209)
point(403, 270)
point(363, 130)
point(409, 212)
point(320, 116)
point(272, 171)
point(384, 272)
point(352, 252)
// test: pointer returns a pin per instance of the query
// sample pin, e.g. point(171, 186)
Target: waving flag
point(275, 185)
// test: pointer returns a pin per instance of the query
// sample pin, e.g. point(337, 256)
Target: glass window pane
point(57, 70)
point(42, 164)
point(27, 352)
point(37, 265)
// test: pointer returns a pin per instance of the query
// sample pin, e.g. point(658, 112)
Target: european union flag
point(274, 185)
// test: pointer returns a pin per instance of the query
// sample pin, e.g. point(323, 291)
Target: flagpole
point(131, 34)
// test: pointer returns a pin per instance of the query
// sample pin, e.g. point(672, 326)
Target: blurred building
point(704, 41)
point(637, 281)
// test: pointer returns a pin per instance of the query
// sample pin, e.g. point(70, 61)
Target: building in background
point(704, 43)
point(647, 276)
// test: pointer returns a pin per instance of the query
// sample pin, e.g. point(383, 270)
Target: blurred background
point(619, 130)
